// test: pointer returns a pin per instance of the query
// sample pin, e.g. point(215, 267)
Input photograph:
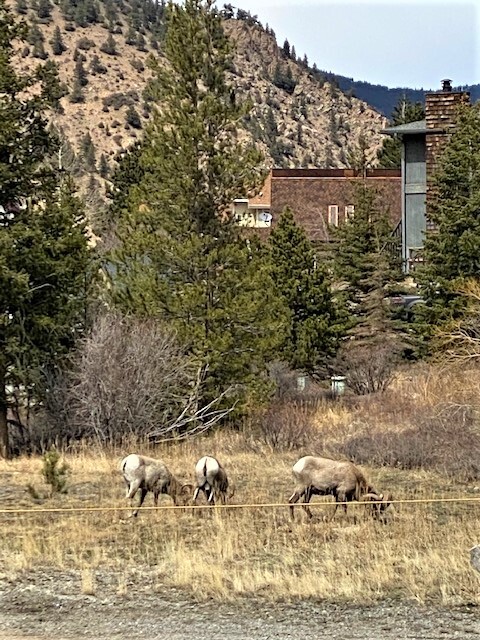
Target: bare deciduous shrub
point(286, 425)
point(368, 369)
point(129, 378)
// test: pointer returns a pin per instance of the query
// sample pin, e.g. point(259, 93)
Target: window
point(333, 214)
point(349, 211)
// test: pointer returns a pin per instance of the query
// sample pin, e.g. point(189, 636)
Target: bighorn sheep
point(322, 476)
point(147, 474)
point(212, 480)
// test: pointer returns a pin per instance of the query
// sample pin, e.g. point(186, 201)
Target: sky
point(398, 43)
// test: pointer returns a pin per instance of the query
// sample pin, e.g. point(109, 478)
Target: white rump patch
point(209, 464)
point(131, 463)
point(299, 465)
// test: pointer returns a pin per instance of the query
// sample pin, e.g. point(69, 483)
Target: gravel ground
point(49, 605)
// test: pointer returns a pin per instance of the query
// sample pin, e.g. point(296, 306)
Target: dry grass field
point(420, 555)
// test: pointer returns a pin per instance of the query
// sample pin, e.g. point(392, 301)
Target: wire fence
point(253, 505)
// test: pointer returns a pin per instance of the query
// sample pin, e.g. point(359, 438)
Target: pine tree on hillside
point(103, 166)
point(109, 46)
point(87, 152)
point(58, 46)
point(79, 73)
point(21, 7)
point(77, 94)
point(452, 252)
point(36, 39)
point(317, 323)
point(44, 255)
point(181, 256)
point(390, 154)
point(44, 10)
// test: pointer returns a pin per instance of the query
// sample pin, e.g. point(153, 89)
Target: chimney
point(446, 86)
point(440, 114)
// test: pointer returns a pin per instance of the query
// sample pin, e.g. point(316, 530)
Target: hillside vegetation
point(298, 118)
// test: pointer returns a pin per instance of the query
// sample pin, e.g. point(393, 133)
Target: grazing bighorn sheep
point(147, 474)
point(322, 476)
point(212, 480)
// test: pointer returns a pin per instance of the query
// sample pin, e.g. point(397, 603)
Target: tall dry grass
point(421, 554)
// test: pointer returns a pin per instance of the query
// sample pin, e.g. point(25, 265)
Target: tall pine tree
point(367, 263)
point(181, 256)
point(452, 251)
point(44, 255)
point(317, 323)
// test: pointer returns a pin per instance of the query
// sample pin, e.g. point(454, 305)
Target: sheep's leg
point(142, 498)
point(294, 498)
point(133, 488)
point(211, 495)
point(195, 494)
point(339, 498)
point(306, 499)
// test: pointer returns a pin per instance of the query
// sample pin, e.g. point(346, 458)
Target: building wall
point(415, 189)
point(310, 192)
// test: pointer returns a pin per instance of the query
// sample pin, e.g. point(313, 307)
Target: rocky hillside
point(101, 49)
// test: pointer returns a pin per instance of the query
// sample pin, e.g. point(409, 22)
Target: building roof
point(411, 128)
point(263, 198)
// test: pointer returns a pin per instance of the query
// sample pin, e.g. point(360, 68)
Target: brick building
point(318, 198)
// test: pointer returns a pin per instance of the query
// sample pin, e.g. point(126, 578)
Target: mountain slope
point(298, 118)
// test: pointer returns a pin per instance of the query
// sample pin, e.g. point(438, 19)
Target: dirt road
point(43, 605)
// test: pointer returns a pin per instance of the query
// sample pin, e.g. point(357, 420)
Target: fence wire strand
point(260, 505)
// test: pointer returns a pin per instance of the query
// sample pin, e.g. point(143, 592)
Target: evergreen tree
point(44, 10)
point(67, 8)
point(283, 78)
point(141, 43)
point(286, 49)
point(132, 118)
point(91, 12)
point(181, 256)
point(131, 37)
point(80, 14)
point(390, 154)
point(21, 7)
point(58, 46)
point(109, 46)
point(316, 323)
point(367, 261)
point(357, 157)
point(44, 253)
point(80, 73)
point(452, 252)
point(36, 39)
point(103, 166)
point(96, 66)
point(87, 151)
point(77, 94)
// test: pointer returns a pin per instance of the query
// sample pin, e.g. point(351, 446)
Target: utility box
point(337, 385)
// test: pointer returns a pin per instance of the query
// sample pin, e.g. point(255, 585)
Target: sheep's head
point(184, 493)
point(379, 503)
